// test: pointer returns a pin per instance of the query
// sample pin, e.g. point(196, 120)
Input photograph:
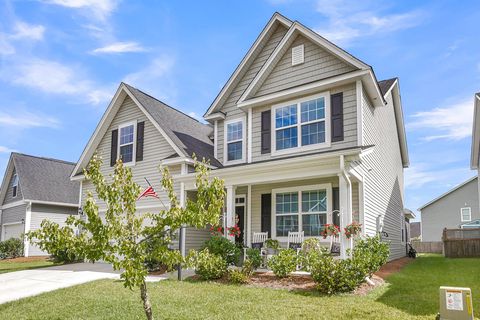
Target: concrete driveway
point(26, 283)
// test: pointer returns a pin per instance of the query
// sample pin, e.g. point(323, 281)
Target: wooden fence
point(461, 243)
point(428, 247)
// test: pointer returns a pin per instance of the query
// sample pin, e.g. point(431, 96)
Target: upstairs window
point(466, 214)
point(126, 142)
point(234, 140)
point(15, 186)
point(301, 124)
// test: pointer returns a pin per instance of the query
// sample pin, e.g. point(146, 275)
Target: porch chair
point(258, 242)
point(295, 241)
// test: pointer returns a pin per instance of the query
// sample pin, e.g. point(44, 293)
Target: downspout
point(349, 191)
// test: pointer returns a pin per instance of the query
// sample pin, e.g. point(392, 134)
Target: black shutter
point(265, 133)
point(336, 206)
point(266, 212)
point(336, 101)
point(113, 147)
point(140, 135)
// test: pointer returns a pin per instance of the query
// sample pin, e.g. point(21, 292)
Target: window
point(126, 142)
point(301, 124)
point(234, 137)
point(301, 210)
point(15, 185)
point(466, 214)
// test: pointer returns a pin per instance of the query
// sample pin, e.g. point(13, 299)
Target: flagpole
point(148, 182)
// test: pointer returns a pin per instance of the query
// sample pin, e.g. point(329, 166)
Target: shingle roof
point(385, 85)
point(45, 179)
point(187, 133)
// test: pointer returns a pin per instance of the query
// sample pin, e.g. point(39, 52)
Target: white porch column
point(249, 215)
point(345, 188)
point(28, 219)
point(230, 214)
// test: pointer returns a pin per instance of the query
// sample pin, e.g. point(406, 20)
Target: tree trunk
point(146, 302)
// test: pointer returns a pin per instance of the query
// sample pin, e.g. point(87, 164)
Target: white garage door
point(13, 230)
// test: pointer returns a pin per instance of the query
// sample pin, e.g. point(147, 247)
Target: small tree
point(122, 238)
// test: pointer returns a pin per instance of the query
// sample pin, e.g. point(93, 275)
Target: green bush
point(220, 245)
point(237, 276)
point(11, 248)
point(284, 263)
point(371, 253)
point(255, 257)
point(310, 252)
point(208, 265)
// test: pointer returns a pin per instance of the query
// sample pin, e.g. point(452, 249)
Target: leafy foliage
point(220, 245)
point(207, 265)
point(372, 253)
point(311, 251)
point(284, 263)
point(11, 248)
point(255, 257)
point(124, 236)
point(237, 276)
point(272, 244)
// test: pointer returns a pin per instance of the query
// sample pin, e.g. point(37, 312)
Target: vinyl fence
point(461, 243)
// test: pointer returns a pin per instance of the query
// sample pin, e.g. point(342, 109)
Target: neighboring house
point(454, 209)
point(302, 133)
point(416, 230)
point(34, 189)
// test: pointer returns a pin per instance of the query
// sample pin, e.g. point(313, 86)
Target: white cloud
point(348, 21)
point(4, 149)
point(26, 120)
point(422, 174)
point(453, 122)
point(101, 9)
point(120, 47)
point(24, 30)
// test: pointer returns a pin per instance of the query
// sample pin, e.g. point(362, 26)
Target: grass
point(11, 265)
point(411, 294)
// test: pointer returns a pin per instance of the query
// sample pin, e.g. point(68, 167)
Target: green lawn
point(411, 294)
point(14, 265)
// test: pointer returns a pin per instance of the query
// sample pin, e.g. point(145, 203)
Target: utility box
point(456, 303)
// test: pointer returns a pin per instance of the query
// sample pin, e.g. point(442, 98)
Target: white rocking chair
point(296, 238)
point(258, 237)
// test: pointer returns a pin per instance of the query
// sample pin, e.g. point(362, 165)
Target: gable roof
point(447, 193)
point(185, 134)
point(255, 49)
point(475, 148)
point(386, 85)
point(42, 179)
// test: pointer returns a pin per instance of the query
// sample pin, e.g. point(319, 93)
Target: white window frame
point(134, 143)
point(299, 147)
point(300, 189)
point(15, 186)
point(469, 214)
point(225, 142)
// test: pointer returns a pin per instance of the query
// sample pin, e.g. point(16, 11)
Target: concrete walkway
point(27, 283)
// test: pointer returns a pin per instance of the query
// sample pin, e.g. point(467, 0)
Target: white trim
point(249, 215)
point(15, 185)
point(403, 237)
point(299, 124)
point(180, 160)
point(12, 223)
point(80, 194)
point(215, 116)
point(286, 41)
point(276, 18)
point(225, 142)
point(299, 189)
point(359, 91)
point(249, 138)
point(215, 139)
point(13, 204)
point(475, 133)
point(6, 178)
point(309, 88)
point(446, 193)
point(133, 143)
point(361, 206)
point(244, 205)
point(28, 219)
point(469, 213)
point(63, 204)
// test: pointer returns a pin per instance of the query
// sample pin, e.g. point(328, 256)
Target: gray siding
point(14, 214)
point(445, 212)
point(48, 208)
point(230, 106)
point(9, 196)
point(36, 220)
point(355, 202)
point(319, 64)
point(349, 123)
point(383, 186)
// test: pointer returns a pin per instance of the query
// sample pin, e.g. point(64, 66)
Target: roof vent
point(298, 56)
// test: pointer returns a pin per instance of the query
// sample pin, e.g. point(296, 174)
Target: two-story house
point(302, 133)
point(34, 189)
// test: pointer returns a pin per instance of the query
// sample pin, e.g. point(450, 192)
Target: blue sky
point(61, 61)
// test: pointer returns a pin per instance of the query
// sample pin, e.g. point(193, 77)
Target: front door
point(240, 217)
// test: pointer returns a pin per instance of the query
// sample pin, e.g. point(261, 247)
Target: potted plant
point(353, 229)
point(330, 230)
point(272, 246)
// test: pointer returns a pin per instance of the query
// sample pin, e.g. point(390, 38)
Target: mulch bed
point(26, 259)
point(393, 267)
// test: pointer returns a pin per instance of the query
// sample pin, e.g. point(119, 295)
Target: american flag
point(149, 192)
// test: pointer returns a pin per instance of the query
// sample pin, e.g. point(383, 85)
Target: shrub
point(11, 248)
point(371, 253)
point(223, 247)
point(284, 263)
point(237, 276)
point(272, 244)
point(311, 251)
point(207, 265)
point(255, 257)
